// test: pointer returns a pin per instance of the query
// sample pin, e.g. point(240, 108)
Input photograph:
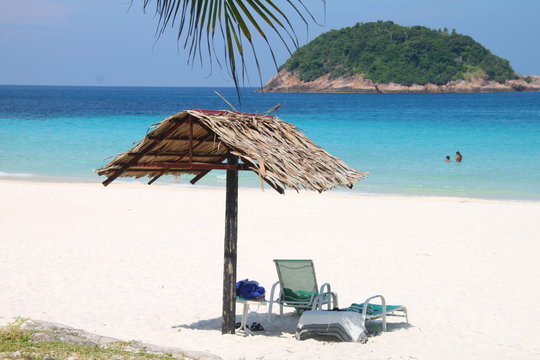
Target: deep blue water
point(400, 139)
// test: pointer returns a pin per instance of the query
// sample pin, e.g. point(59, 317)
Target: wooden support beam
point(182, 155)
point(190, 139)
point(203, 174)
point(278, 188)
point(246, 166)
point(172, 138)
point(155, 178)
point(160, 169)
point(165, 165)
point(143, 152)
point(199, 177)
point(231, 235)
point(175, 157)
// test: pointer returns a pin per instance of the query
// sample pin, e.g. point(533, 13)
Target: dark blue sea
point(62, 133)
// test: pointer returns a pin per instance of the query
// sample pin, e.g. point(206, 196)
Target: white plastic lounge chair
point(298, 288)
point(376, 311)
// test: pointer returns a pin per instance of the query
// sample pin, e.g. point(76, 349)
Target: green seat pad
point(300, 296)
point(373, 309)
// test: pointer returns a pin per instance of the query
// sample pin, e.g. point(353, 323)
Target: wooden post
point(229, 268)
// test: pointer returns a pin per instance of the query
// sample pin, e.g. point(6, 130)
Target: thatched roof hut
point(197, 141)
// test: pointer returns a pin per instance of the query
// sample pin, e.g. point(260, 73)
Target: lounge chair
point(376, 311)
point(298, 288)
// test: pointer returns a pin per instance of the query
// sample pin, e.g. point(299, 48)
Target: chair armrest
point(366, 303)
point(318, 301)
point(271, 301)
point(273, 291)
point(325, 288)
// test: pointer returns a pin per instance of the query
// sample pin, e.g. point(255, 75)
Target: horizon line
point(124, 86)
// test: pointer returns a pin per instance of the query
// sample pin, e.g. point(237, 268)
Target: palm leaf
point(196, 22)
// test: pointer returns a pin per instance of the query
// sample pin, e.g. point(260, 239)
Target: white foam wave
point(16, 175)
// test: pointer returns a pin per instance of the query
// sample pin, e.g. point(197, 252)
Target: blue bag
point(249, 289)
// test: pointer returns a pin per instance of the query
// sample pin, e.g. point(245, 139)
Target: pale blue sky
point(89, 42)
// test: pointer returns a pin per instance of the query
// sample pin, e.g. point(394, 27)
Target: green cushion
point(297, 296)
point(373, 309)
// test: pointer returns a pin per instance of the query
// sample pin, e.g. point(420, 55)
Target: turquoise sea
point(62, 133)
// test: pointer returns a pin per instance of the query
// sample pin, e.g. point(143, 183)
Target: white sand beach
point(144, 263)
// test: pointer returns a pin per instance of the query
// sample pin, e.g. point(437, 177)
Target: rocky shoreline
point(50, 332)
point(286, 81)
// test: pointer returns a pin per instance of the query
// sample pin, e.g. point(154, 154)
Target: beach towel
point(373, 309)
point(332, 326)
point(250, 290)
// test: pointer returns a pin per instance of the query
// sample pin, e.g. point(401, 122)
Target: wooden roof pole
point(231, 235)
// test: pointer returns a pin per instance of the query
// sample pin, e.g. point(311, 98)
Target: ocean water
point(62, 133)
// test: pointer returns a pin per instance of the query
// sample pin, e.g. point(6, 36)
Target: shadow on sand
point(280, 326)
point(284, 326)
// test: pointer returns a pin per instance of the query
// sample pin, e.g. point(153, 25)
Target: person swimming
point(447, 159)
point(459, 157)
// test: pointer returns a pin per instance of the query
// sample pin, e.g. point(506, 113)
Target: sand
point(145, 263)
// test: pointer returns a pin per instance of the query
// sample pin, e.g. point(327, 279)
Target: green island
point(390, 53)
point(383, 57)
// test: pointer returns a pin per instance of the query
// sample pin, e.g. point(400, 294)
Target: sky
point(110, 43)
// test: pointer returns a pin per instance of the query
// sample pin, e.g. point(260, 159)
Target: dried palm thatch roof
point(198, 141)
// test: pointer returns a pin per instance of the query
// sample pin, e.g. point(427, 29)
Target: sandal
point(256, 327)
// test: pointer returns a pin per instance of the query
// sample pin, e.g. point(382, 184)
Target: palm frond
point(198, 21)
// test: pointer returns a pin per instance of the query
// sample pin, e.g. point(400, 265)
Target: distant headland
point(383, 57)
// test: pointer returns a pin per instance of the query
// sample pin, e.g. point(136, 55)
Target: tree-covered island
point(413, 59)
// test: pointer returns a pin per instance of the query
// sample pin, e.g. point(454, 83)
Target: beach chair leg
point(272, 292)
point(269, 314)
point(384, 322)
point(406, 314)
point(243, 324)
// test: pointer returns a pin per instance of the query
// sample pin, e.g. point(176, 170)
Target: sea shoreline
point(339, 192)
point(288, 82)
